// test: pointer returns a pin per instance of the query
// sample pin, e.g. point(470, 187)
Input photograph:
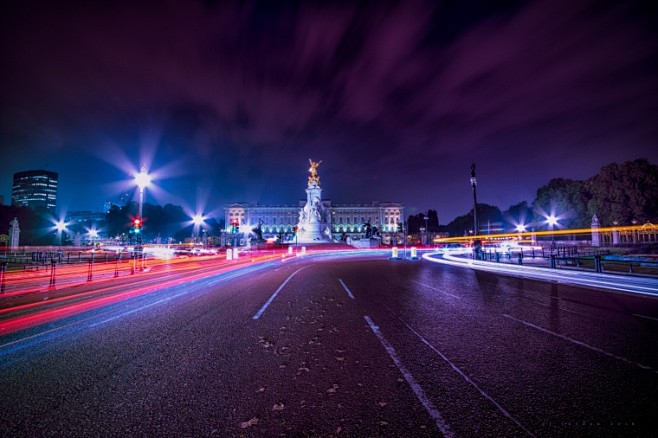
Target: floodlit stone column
point(14, 232)
point(596, 238)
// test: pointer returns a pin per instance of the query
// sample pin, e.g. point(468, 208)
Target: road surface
point(349, 346)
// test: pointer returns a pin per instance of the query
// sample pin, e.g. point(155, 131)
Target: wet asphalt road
point(347, 347)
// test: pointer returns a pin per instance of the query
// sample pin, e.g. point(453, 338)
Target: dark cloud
point(396, 98)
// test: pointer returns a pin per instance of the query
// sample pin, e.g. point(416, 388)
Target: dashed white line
point(645, 317)
point(349, 292)
point(417, 389)
point(436, 289)
point(582, 344)
point(262, 309)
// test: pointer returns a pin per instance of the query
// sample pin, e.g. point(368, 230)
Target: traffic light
point(137, 225)
point(400, 230)
point(294, 230)
point(234, 225)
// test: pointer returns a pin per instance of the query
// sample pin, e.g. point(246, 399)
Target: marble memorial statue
point(314, 217)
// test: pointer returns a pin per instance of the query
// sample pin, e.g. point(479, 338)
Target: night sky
point(227, 101)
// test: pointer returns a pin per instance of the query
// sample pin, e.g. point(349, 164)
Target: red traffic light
point(137, 222)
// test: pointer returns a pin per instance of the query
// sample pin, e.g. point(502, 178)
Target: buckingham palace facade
point(345, 220)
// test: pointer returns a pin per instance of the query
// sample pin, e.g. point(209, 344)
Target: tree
point(433, 220)
point(518, 214)
point(489, 218)
point(566, 199)
point(624, 192)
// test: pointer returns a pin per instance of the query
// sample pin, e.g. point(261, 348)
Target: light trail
point(110, 291)
point(73, 294)
point(619, 283)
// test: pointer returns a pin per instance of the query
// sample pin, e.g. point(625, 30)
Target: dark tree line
point(415, 223)
point(36, 225)
point(170, 221)
point(620, 193)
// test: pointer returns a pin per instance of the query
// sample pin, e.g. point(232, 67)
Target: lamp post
point(474, 184)
point(142, 179)
point(551, 220)
point(93, 233)
point(197, 221)
point(427, 232)
point(60, 226)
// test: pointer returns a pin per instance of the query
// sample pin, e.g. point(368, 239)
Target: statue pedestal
point(313, 218)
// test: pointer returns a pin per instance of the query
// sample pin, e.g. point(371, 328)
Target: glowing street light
point(143, 180)
point(552, 221)
point(93, 233)
point(197, 220)
point(60, 226)
point(521, 228)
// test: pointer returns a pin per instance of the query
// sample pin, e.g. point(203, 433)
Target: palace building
point(315, 219)
point(346, 219)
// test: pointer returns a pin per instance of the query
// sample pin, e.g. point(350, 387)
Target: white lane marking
point(646, 317)
point(349, 292)
point(437, 289)
point(461, 373)
point(582, 344)
point(420, 394)
point(262, 309)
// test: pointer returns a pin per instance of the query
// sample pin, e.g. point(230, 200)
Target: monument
point(14, 233)
point(596, 238)
point(314, 223)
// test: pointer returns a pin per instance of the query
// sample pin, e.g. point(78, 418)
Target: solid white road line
point(582, 344)
point(437, 289)
point(461, 373)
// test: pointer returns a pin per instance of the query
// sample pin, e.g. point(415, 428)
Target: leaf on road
point(249, 423)
point(261, 389)
point(340, 358)
point(277, 407)
point(262, 340)
point(382, 403)
point(333, 388)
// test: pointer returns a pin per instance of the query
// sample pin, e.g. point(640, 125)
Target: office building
point(35, 188)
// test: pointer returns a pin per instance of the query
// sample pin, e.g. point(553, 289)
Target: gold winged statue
point(313, 170)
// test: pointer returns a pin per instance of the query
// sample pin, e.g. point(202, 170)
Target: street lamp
point(474, 183)
point(142, 179)
point(197, 220)
point(552, 221)
point(426, 230)
point(93, 233)
point(60, 226)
